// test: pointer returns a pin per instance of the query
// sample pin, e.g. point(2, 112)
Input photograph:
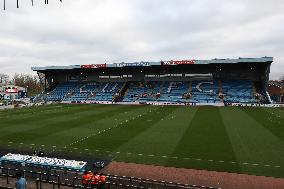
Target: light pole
point(32, 1)
point(27, 90)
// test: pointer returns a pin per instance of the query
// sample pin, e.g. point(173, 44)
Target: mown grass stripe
point(46, 129)
point(164, 135)
point(118, 136)
point(270, 121)
point(252, 142)
point(40, 117)
point(206, 137)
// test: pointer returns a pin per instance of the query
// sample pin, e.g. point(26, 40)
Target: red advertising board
point(93, 66)
point(87, 66)
point(11, 90)
point(100, 65)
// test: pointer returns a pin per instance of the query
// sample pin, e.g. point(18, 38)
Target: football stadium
point(80, 110)
point(207, 115)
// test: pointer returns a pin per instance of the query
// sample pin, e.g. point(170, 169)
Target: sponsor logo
point(177, 62)
point(93, 66)
point(132, 64)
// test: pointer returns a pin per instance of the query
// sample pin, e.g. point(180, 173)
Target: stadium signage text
point(177, 62)
point(94, 66)
point(132, 64)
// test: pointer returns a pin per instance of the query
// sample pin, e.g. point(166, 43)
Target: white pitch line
point(94, 134)
point(198, 159)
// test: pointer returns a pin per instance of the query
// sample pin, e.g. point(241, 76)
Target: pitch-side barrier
point(175, 103)
point(41, 180)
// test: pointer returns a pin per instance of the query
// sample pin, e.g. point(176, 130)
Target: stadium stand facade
point(216, 81)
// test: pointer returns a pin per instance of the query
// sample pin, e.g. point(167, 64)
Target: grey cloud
point(94, 31)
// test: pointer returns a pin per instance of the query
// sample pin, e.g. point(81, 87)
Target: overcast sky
point(99, 31)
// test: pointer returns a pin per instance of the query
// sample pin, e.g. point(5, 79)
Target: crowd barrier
point(41, 180)
point(177, 104)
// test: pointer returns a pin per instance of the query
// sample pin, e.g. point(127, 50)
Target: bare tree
point(28, 81)
point(281, 80)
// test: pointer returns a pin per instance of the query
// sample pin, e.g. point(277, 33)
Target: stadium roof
point(171, 62)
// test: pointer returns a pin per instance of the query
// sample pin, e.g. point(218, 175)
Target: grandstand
point(216, 81)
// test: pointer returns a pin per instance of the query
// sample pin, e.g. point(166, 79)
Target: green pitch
point(232, 139)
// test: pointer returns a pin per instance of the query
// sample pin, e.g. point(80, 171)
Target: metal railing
point(49, 180)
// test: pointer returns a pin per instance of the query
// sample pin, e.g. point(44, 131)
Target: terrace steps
point(202, 91)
